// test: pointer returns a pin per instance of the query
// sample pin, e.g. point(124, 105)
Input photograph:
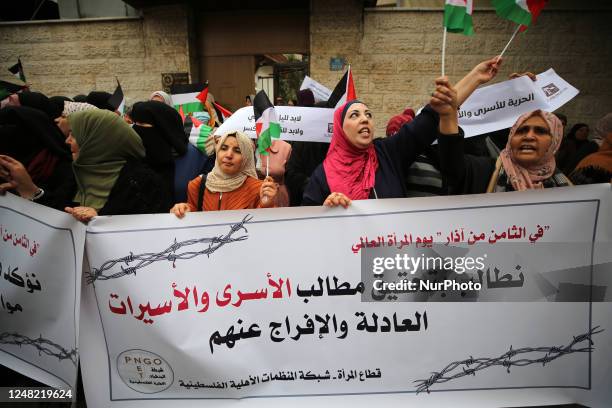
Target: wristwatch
point(39, 193)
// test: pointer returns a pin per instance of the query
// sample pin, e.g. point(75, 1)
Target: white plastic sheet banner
point(497, 106)
point(320, 92)
point(269, 306)
point(41, 254)
point(297, 123)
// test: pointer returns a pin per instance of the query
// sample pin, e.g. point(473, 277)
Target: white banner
point(297, 123)
point(496, 107)
point(321, 92)
point(271, 303)
point(41, 254)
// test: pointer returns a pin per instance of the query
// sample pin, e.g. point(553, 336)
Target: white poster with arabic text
point(399, 301)
point(41, 254)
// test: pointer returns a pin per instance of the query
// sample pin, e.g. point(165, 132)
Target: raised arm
point(479, 75)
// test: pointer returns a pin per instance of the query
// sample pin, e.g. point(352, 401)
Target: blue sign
point(337, 63)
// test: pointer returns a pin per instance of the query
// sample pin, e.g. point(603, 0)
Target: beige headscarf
point(165, 96)
point(525, 178)
point(218, 181)
point(72, 107)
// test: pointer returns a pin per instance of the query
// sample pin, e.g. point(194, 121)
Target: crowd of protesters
point(80, 155)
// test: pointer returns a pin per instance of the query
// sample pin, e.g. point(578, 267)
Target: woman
point(110, 177)
point(161, 96)
point(232, 184)
point(597, 167)
point(34, 161)
point(527, 161)
point(358, 167)
point(161, 130)
point(99, 99)
point(575, 147)
point(70, 107)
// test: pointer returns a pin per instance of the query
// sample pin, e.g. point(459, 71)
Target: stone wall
point(78, 56)
point(396, 54)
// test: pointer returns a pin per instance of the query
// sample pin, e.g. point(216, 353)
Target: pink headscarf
point(530, 177)
point(349, 170)
point(397, 121)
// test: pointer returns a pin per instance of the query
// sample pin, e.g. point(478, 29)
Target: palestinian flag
point(7, 89)
point(197, 132)
point(344, 90)
point(117, 100)
point(17, 70)
point(523, 12)
point(222, 113)
point(458, 16)
point(266, 124)
point(189, 98)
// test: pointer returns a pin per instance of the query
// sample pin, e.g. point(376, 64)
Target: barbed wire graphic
point(168, 254)
point(471, 365)
point(43, 345)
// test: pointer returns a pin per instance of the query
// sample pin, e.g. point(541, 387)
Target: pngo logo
point(144, 372)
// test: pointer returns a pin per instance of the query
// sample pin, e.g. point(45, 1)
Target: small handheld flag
point(344, 90)
point(17, 70)
point(222, 113)
point(266, 124)
point(117, 100)
point(457, 19)
point(458, 16)
point(189, 98)
point(522, 12)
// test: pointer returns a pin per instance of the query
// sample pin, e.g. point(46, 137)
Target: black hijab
point(100, 99)
point(166, 135)
point(58, 102)
point(39, 101)
point(27, 131)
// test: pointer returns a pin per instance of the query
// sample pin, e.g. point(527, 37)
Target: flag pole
point(511, 38)
point(443, 50)
point(268, 164)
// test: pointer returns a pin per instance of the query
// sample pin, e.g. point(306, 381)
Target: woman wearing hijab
point(597, 167)
point(575, 147)
point(161, 96)
point(359, 167)
point(161, 130)
point(99, 99)
point(70, 107)
point(527, 162)
point(110, 177)
point(58, 102)
point(34, 160)
point(34, 100)
point(232, 184)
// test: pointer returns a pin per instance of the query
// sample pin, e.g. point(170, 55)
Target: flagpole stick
point(511, 38)
point(265, 198)
point(443, 50)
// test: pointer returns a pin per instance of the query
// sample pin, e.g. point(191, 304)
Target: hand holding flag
point(266, 128)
